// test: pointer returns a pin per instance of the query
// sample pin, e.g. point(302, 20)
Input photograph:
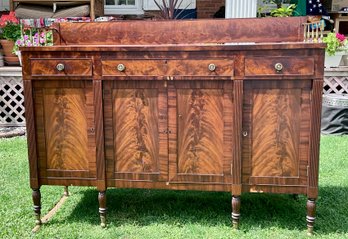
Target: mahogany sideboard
point(217, 105)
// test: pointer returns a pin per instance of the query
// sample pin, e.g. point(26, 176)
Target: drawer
point(214, 67)
point(262, 66)
point(61, 67)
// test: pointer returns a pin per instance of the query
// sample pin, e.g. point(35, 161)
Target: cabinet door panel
point(201, 124)
point(66, 129)
point(200, 131)
point(65, 122)
point(138, 124)
point(276, 119)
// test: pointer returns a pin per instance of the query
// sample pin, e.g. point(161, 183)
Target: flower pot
point(333, 61)
point(10, 58)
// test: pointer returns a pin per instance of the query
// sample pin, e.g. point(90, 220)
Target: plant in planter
point(336, 46)
point(33, 37)
point(10, 32)
point(335, 42)
point(283, 11)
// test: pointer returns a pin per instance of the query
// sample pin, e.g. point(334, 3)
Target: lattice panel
point(335, 85)
point(11, 101)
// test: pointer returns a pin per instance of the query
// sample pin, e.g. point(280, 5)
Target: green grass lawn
point(172, 214)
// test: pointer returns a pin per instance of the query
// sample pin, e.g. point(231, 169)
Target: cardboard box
point(338, 5)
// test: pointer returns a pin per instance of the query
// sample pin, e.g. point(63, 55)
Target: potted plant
point(10, 32)
point(33, 37)
point(283, 11)
point(336, 46)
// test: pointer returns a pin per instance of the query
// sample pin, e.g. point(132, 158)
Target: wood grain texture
point(171, 32)
point(292, 91)
point(39, 88)
point(72, 67)
point(155, 110)
point(99, 135)
point(167, 122)
point(195, 67)
point(275, 132)
point(136, 130)
point(31, 135)
point(200, 131)
point(237, 137)
point(255, 66)
point(194, 109)
point(315, 138)
point(66, 129)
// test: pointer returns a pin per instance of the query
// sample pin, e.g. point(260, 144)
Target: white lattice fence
point(11, 101)
point(335, 84)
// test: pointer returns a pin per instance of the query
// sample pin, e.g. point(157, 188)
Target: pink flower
point(340, 37)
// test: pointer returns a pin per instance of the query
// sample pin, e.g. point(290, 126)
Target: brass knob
point(245, 133)
point(212, 67)
point(60, 67)
point(278, 67)
point(121, 67)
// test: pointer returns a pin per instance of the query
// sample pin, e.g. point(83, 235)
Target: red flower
point(6, 18)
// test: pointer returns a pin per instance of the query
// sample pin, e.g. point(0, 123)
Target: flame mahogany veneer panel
point(183, 31)
point(200, 131)
point(72, 67)
point(136, 130)
point(276, 132)
point(255, 66)
point(66, 129)
point(224, 67)
point(276, 117)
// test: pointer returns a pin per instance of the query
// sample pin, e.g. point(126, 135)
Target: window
point(123, 7)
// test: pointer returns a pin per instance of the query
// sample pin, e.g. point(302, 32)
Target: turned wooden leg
point(37, 205)
point(235, 211)
point(310, 215)
point(102, 208)
point(66, 191)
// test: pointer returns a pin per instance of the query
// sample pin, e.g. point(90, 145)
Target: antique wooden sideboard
point(217, 105)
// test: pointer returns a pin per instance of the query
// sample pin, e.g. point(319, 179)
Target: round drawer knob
point(121, 67)
point(60, 67)
point(212, 67)
point(278, 67)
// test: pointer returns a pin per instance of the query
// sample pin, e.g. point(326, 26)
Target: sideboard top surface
point(181, 47)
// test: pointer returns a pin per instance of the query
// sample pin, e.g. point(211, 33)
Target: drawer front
point(271, 66)
point(214, 67)
point(61, 67)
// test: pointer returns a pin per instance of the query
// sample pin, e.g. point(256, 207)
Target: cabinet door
point(200, 131)
point(65, 129)
point(136, 139)
point(276, 126)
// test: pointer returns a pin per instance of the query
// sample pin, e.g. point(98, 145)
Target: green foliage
point(11, 31)
point(283, 11)
point(163, 214)
point(333, 44)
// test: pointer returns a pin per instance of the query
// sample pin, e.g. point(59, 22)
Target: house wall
point(207, 8)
